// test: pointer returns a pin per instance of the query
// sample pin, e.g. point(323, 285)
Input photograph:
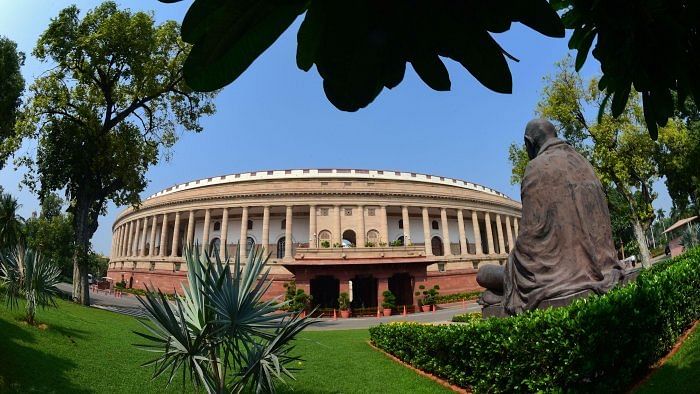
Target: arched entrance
point(214, 245)
point(436, 244)
point(349, 236)
point(280, 247)
point(401, 285)
point(325, 290)
point(249, 245)
point(364, 292)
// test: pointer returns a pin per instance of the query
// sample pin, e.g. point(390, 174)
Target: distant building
point(331, 230)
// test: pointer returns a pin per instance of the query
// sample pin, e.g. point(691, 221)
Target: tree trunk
point(645, 256)
point(81, 214)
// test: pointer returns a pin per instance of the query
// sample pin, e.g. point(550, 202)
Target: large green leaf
point(224, 51)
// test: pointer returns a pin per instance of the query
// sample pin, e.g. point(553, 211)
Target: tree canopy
point(105, 111)
point(11, 88)
point(361, 47)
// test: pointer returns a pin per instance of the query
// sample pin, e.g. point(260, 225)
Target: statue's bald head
point(537, 132)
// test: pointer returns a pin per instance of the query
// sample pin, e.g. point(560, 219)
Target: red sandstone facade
point(355, 231)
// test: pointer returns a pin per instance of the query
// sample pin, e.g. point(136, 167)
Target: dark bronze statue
point(564, 247)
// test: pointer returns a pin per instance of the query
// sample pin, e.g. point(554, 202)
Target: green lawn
point(681, 373)
point(87, 350)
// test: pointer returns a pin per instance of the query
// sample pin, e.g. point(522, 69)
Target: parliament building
point(329, 230)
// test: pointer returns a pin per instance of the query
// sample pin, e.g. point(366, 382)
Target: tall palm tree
point(10, 221)
point(24, 273)
point(220, 332)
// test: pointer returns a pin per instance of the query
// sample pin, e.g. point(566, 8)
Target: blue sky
point(276, 116)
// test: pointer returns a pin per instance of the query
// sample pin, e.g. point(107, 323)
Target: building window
point(348, 211)
point(441, 267)
point(324, 212)
point(250, 224)
point(152, 267)
point(250, 243)
point(436, 225)
point(217, 226)
point(324, 239)
point(371, 211)
point(176, 267)
point(283, 224)
point(400, 224)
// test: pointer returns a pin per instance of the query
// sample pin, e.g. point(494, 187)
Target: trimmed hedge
point(469, 317)
point(602, 343)
point(457, 297)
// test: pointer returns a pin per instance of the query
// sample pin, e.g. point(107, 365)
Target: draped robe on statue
point(565, 244)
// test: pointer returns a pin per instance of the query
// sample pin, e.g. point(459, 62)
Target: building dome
point(330, 230)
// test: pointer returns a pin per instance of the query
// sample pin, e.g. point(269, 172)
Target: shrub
point(23, 272)
point(430, 296)
point(470, 317)
point(389, 301)
point(444, 299)
point(344, 301)
point(325, 244)
point(296, 300)
point(599, 344)
point(220, 332)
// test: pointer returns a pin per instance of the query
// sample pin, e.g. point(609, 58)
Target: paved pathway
point(129, 305)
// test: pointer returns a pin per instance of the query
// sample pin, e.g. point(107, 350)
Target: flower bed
point(602, 343)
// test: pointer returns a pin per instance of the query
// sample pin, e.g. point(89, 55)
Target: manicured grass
point(84, 350)
point(681, 373)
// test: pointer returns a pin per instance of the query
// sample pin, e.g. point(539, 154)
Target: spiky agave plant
point(24, 273)
point(220, 333)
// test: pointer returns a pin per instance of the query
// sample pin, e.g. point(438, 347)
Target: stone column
point(164, 235)
point(426, 232)
point(120, 240)
point(205, 232)
point(135, 250)
point(463, 248)
point(244, 233)
point(499, 231)
point(406, 225)
point(176, 235)
point(361, 226)
point(515, 227)
point(127, 247)
point(446, 232)
point(190, 229)
point(489, 232)
point(509, 232)
point(477, 234)
point(384, 225)
point(288, 234)
point(125, 240)
point(224, 235)
point(337, 236)
point(143, 237)
point(152, 246)
point(313, 237)
point(266, 228)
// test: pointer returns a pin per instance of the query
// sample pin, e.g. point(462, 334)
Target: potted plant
point(429, 297)
point(325, 244)
point(388, 303)
point(344, 305)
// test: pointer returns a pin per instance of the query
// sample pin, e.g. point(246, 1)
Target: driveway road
point(129, 305)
